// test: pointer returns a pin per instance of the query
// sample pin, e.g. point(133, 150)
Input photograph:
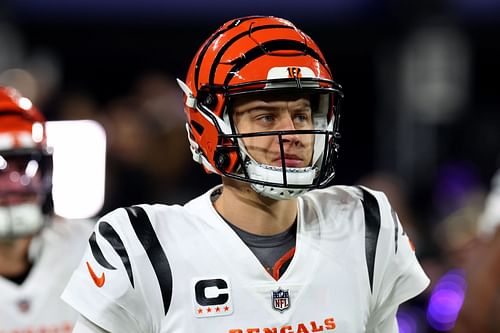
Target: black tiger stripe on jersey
point(110, 234)
point(372, 229)
point(147, 236)
point(396, 230)
point(97, 253)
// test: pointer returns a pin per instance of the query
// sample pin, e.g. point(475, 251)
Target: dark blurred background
point(420, 117)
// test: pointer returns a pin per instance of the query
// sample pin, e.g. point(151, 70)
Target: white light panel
point(79, 167)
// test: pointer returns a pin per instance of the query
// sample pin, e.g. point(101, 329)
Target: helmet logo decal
point(294, 72)
point(290, 72)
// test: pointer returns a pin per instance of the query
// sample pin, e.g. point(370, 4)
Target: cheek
point(260, 147)
point(309, 139)
point(309, 145)
point(257, 142)
point(247, 127)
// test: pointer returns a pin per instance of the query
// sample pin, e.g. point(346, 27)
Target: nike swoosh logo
point(98, 280)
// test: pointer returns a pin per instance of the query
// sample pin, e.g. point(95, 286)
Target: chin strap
point(20, 220)
point(273, 174)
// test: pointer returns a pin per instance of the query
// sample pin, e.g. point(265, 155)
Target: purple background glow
point(446, 300)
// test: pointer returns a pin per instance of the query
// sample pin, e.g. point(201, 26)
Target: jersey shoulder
point(69, 229)
point(341, 198)
point(62, 236)
point(143, 214)
point(344, 194)
point(126, 268)
point(122, 269)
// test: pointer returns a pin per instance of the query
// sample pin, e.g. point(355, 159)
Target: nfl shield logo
point(281, 300)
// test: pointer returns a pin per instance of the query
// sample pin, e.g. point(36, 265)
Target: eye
point(302, 117)
point(266, 117)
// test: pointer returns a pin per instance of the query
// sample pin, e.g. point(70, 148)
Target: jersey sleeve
point(398, 274)
point(85, 326)
point(102, 287)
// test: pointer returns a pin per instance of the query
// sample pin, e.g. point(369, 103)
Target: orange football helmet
point(25, 166)
point(255, 55)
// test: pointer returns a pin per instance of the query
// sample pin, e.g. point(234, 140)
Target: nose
point(287, 124)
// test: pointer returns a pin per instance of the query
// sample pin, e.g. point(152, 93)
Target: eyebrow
point(264, 106)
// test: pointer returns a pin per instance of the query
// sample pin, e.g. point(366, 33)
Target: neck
point(14, 257)
point(251, 212)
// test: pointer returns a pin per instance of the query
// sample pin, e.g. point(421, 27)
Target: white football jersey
point(173, 269)
point(35, 305)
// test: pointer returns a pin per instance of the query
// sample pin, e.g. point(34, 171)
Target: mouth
point(291, 161)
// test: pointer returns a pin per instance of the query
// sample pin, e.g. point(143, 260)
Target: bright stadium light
point(79, 167)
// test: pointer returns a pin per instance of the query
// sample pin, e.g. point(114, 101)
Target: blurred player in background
point(268, 250)
point(481, 308)
point(37, 250)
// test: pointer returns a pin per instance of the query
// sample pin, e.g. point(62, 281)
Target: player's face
point(20, 180)
point(265, 113)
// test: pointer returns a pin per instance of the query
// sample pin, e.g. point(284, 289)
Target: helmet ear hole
point(226, 159)
point(222, 159)
point(207, 99)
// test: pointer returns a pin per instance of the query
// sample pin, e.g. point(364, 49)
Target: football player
point(37, 253)
point(274, 248)
point(481, 304)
